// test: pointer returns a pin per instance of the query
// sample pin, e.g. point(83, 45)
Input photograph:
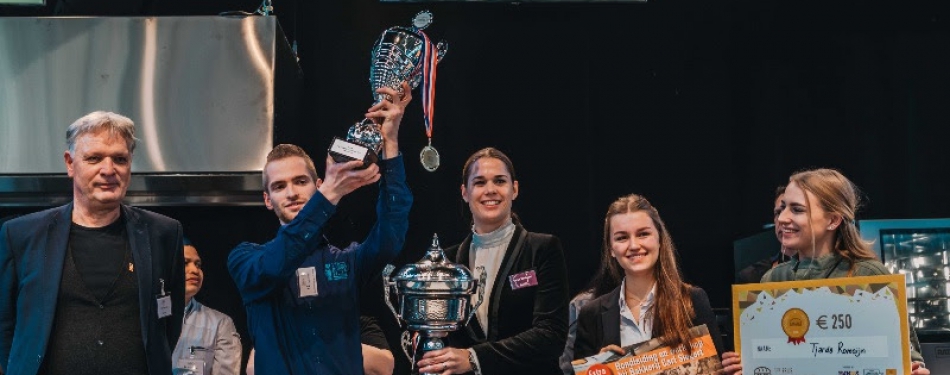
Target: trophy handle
point(368, 123)
point(408, 346)
point(482, 277)
point(441, 48)
point(386, 285)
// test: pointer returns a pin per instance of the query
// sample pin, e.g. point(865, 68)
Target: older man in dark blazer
point(92, 287)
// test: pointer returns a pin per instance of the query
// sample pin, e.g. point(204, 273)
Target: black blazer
point(528, 326)
point(32, 252)
point(598, 323)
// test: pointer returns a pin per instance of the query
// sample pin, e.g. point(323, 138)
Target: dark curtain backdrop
point(702, 106)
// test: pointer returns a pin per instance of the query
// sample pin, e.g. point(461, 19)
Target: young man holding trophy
point(300, 292)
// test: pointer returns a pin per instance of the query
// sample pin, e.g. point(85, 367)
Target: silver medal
point(429, 157)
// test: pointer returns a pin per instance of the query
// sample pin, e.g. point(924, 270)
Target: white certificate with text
point(841, 326)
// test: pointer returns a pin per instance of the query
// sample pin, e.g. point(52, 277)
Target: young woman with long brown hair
point(650, 298)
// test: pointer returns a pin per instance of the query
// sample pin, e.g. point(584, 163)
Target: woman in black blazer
point(521, 326)
point(650, 299)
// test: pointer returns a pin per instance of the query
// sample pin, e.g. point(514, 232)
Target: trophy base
point(428, 341)
point(343, 151)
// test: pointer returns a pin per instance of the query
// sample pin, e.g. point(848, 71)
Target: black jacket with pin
point(33, 250)
point(527, 326)
point(598, 323)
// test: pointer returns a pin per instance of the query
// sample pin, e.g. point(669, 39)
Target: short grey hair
point(114, 123)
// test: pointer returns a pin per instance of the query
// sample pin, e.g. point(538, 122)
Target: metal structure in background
point(23, 2)
point(920, 250)
point(202, 91)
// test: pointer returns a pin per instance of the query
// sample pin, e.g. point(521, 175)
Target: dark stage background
point(702, 106)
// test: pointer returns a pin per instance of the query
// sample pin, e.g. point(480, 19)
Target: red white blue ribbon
point(430, 59)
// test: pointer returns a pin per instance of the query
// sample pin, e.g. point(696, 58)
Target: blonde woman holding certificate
point(818, 220)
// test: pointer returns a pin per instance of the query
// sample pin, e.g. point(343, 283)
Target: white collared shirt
point(632, 331)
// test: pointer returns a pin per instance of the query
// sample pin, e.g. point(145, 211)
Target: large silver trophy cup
point(434, 298)
point(399, 55)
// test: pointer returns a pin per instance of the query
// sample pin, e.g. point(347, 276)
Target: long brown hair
point(838, 195)
point(673, 306)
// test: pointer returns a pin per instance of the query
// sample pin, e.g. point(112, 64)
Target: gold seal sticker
point(795, 324)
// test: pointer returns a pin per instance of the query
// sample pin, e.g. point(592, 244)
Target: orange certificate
point(651, 357)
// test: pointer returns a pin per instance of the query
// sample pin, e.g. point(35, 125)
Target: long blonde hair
point(838, 195)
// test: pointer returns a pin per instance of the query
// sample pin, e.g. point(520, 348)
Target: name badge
point(164, 302)
point(164, 306)
point(195, 362)
point(307, 281)
point(192, 366)
point(523, 280)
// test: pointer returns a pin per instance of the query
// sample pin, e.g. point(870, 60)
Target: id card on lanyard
point(164, 302)
point(196, 361)
point(307, 282)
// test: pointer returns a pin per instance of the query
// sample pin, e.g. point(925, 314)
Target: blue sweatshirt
point(317, 334)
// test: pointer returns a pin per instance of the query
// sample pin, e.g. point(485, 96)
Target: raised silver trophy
point(401, 54)
point(434, 298)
